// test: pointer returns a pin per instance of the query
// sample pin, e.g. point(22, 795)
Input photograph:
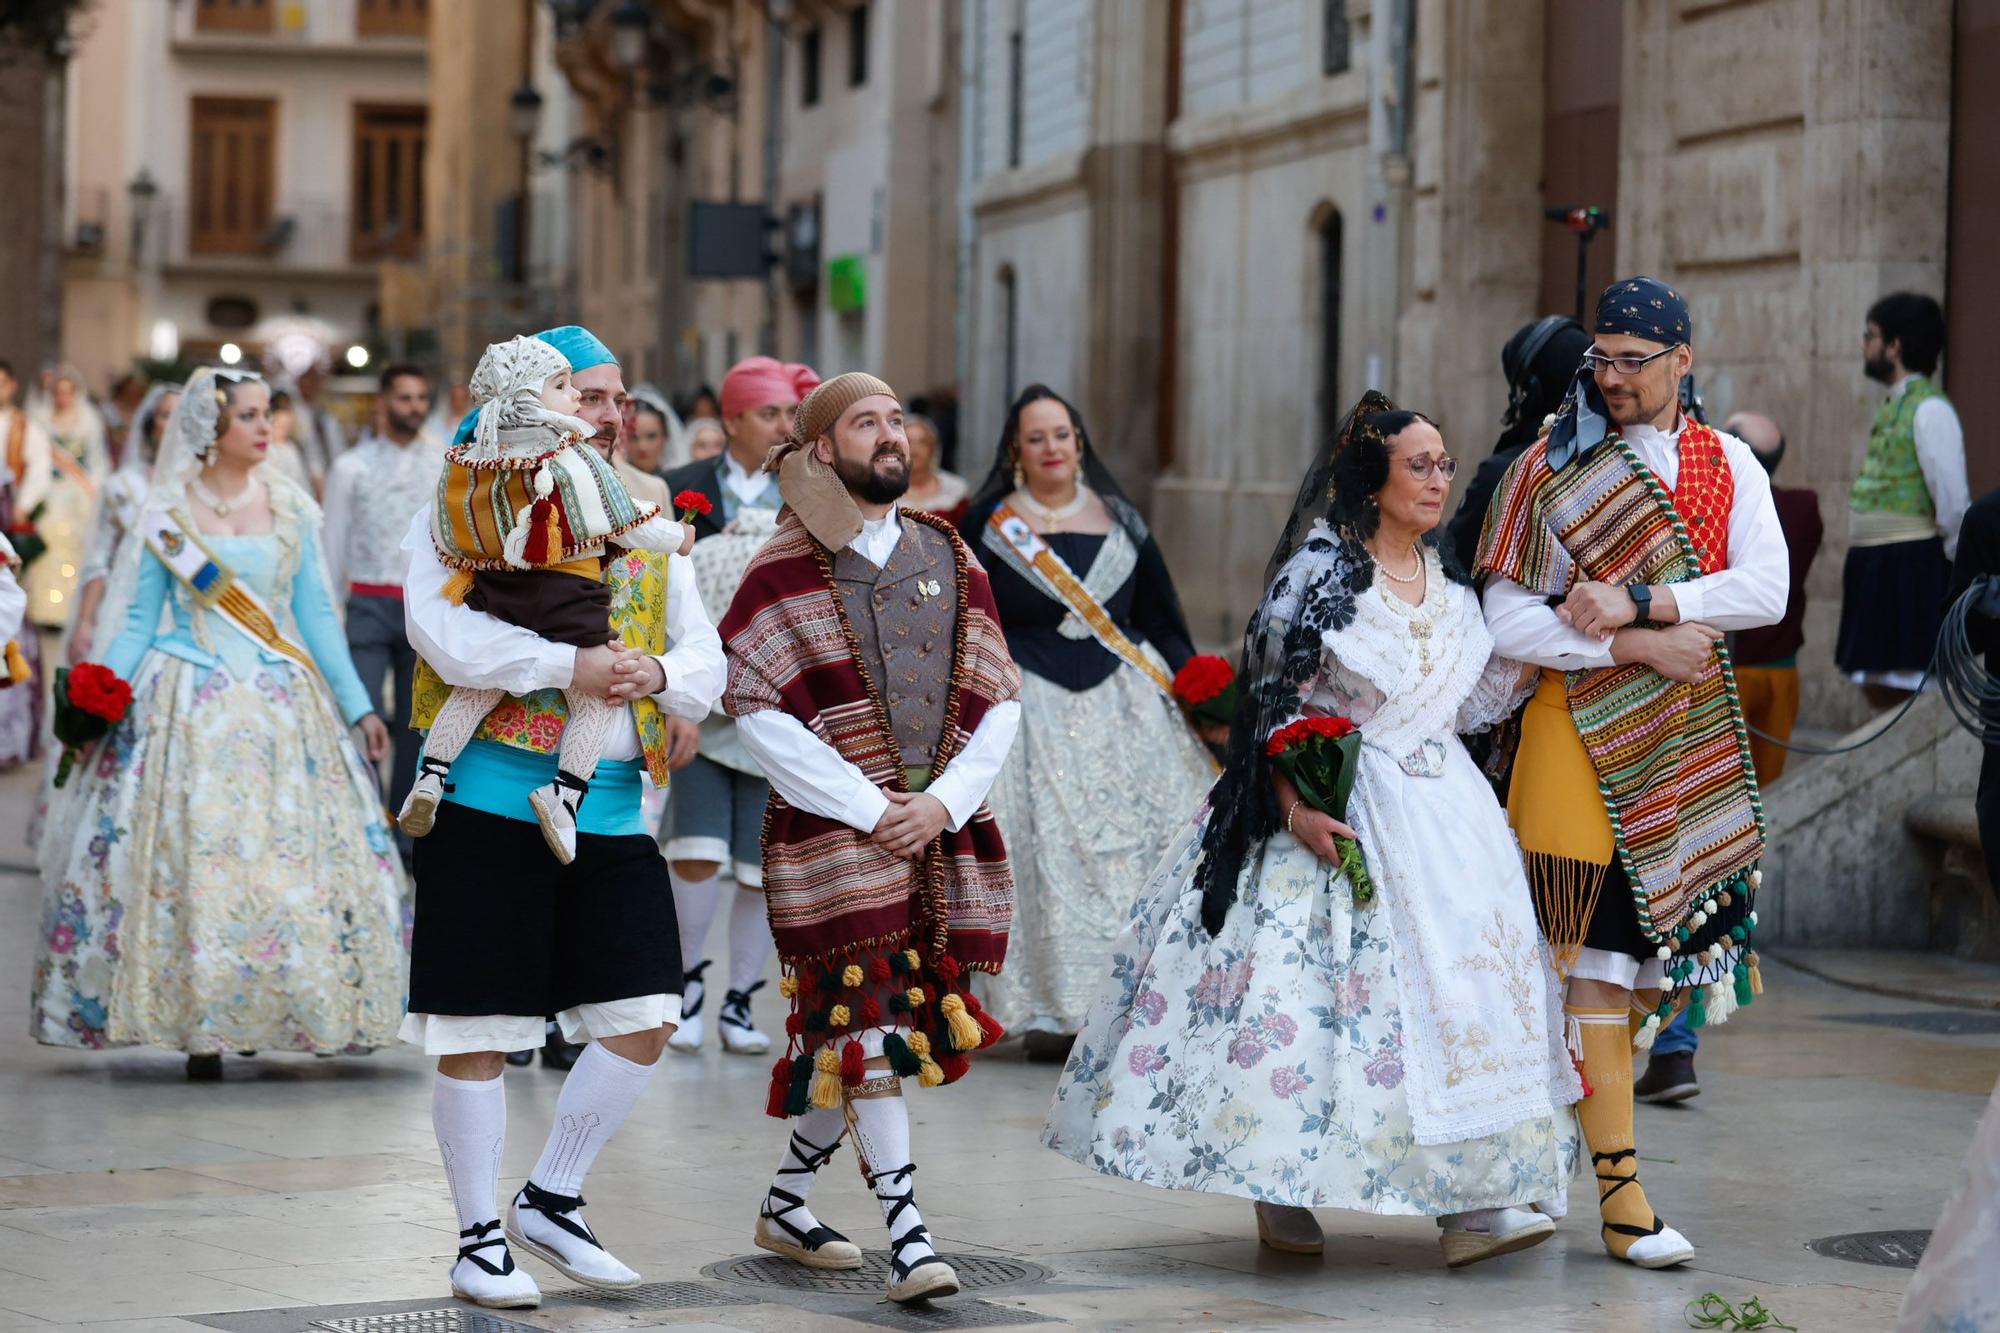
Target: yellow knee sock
point(1607, 1127)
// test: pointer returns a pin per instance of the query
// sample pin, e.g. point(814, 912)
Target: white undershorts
point(463, 1034)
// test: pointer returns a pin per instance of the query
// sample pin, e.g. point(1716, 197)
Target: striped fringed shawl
point(481, 499)
point(833, 894)
point(1672, 760)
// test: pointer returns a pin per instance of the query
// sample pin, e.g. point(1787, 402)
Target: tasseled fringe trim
point(1565, 891)
point(458, 586)
point(17, 666)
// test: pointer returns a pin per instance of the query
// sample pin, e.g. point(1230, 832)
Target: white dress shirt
point(813, 776)
point(1941, 454)
point(747, 487)
point(473, 649)
point(1751, 592)
point(371, 492)
point(37, 463)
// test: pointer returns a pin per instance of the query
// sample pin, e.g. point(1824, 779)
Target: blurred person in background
point(1539, 361)
point(285, 457)
point(705, 439)
point(932, 489)
point(24, 480)
point(117, 512)
point(1905, 506)
point(80, 464)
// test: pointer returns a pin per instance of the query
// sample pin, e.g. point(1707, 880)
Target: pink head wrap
point(755, 381)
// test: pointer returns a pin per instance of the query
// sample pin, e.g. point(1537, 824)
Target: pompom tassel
point(1642, 1040)
point(955, 1067)
point(458, 586)
point(781, 1086)
point(901, 1059)
point(1756, 977)
point(1697, 1014)
point(965, 1032)
point(1721, 1002)
point(826, 1082)
point(930, 1076)
point(17, 666)
point(798, 1095)
point(1743, 991)
point(853, 1068)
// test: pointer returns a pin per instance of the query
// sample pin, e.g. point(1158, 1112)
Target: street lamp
point(631, 26)
point(142, 192)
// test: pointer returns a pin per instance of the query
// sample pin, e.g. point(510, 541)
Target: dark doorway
point(1972, 268)
point(1582, 43)
point(1330, 401)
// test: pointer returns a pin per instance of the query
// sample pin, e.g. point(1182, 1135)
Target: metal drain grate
point(448, 1319)
point(1887, 1249)
point(975, 1273)
point(1937, 1022)
point(952, 1314)
point(651, 1296)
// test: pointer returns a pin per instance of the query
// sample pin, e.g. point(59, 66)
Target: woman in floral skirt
point(220, 874)
point(1269, 1032)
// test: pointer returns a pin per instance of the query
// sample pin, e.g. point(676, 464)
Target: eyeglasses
point(1624, 365)
point(1423, 465)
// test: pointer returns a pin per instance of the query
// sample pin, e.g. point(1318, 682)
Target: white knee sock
point(882, 1137)
point(749, 939)
point(583, 735)
point(459, 716)
point(695, 901)
point(470, 1117)
point(596, 1097)
point(817, 1131)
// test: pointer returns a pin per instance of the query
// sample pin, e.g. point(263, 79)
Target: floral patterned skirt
point(226, 878)
point(1267, 1061)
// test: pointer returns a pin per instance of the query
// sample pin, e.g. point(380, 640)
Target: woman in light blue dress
point(219, 874)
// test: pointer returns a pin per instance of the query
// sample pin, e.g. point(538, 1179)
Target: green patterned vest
point(1891, 480)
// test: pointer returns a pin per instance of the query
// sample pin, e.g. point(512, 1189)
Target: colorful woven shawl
point(481, 500)
point(1672, 760)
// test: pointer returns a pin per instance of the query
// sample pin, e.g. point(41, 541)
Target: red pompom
point(879, 971)
point(852, 1070)
point(871, 1012)
point(954, 1065)
point(535, 551)
point(781, 1084)
point(946, 969)
point(795, 1023)
point(989, 1027)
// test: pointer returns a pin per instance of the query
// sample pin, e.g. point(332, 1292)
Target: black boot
point(1668, 1078)
point(557, 1053)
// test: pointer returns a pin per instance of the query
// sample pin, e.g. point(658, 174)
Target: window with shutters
point(234, 15)
point(392, 18)
point(388, 204)
point(232, 173)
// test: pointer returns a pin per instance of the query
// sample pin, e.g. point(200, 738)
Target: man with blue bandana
point(1618, 550)
point(504, 934)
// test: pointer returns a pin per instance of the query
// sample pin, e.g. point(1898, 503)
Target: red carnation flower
point(692, 502)
point(1203, 678)
point(97, 690)
point(89, 700)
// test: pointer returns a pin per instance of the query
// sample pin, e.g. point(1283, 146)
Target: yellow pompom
point(825, 1091)
point(919, 1044)
point(838, 1016)
point(852, 976)
point(17, 666)
point(788, 986)
point(914, 960)
point(915, 995)
point(457, 586)
point(965, 1033)
point(930, 1075)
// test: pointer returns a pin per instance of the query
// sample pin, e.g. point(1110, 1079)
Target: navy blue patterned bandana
point(1644, 308)
point(1636, 308)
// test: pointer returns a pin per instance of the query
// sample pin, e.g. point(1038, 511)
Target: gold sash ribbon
point(215, 585)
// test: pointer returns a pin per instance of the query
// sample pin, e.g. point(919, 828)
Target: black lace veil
point(999, 482)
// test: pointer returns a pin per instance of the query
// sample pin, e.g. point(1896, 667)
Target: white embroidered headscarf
point(507, 388)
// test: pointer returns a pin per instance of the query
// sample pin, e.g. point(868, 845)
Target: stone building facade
point(1214, 222)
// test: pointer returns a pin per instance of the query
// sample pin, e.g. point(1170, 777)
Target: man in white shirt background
point(1905, 508)
point(372, 492)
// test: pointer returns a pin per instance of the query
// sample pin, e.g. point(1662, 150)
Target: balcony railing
point(311, 234)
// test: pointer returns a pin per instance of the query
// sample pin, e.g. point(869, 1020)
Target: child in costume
point(525, 511)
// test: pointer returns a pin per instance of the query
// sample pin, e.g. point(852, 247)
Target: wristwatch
point(1642, 603)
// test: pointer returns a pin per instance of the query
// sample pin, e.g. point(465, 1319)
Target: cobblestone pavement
point(131, 1200)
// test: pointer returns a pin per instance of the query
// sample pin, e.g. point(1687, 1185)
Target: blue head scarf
point(579, 346)
point(1632, 307)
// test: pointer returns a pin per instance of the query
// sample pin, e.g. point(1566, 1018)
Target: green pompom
point(798, 1097)
point(1743, 992)
point(900, 1057)
point(1697, 1016)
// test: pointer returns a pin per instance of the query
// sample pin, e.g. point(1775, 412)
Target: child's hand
point(687, 538)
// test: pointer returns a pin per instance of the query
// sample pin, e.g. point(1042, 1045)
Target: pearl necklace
point(221, 506)
point(1053, 518)
point(1412, 576)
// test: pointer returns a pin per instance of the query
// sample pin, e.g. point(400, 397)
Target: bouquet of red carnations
point(1322, 757)
point(1206, 688)
point(90, 700)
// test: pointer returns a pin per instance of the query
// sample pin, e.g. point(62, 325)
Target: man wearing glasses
point(1620, 549)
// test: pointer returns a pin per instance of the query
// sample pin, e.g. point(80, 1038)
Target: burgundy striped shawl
point(832, 893)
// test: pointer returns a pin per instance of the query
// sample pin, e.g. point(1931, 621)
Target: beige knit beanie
point(812, 489)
